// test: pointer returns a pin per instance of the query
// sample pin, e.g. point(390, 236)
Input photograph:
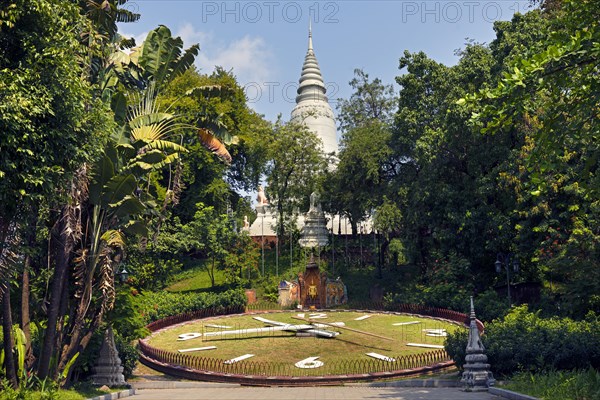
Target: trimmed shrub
point(154, 306)
point(525, 342)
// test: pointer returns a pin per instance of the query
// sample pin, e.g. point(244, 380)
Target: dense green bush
point(150, 272)
point(447, 283)
point(128, 353)
point(455, 345)
point(523, 341)
point(126, 316)
point(155, 306)
point(490, 306)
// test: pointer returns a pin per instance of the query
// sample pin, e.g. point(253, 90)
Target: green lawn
point(196, 279)
point(358, 280)
point(80, 391)
point(282, 346)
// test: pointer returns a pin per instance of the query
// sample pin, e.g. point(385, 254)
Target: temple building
point(313, 110)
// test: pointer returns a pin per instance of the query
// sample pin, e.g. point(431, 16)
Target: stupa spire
point(310, 44)
point(312, 106)
point(311, 81)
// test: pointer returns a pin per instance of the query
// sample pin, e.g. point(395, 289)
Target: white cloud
point(248, 57)
point(190, 36)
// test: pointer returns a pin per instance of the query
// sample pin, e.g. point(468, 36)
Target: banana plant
point(118, 207)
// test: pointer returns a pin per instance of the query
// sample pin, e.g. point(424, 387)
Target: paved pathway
point(311, 393)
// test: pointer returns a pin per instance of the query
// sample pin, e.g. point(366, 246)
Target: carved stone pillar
point(477, 375)
point(108, 369)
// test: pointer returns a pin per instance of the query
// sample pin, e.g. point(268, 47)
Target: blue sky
point(264, 42)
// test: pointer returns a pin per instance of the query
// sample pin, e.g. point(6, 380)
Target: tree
point(48, 110)
point(359, 181)
point(551, 92)
point(212, 233)
point(295, 164)
point(371, 100)
point(357, 185)
point(204, 178)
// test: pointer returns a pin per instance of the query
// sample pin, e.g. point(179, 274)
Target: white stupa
point(313, 110)
point(312, 106)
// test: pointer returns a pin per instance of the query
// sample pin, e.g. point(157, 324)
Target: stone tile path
point(310, 393)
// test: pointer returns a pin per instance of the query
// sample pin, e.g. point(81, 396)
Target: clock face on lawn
point(309, 340)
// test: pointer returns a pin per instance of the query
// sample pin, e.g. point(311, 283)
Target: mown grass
point(285, 346)
point(558, 385)
point(80, 391)
point(358, 280)
point(196, 279)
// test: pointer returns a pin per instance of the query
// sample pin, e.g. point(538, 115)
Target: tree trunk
point(9, 360)
point(8, 342)
point(212, 273)
point(77, 327)
point(79, 342)
point(63, 246)
point(25, 295)
point(62, 328)
point(354, 227)
point(25, 316)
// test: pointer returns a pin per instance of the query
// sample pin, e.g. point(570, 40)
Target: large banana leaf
point(213, 144)
point(130, 205)
point(118, 188)
point(144, 119)
point(136, 227)
point(103, 171)
point(161, 56)
point(166, 145)
point(114, 237)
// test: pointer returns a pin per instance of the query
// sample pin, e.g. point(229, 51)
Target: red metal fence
point(192, 315)
point(288, 369)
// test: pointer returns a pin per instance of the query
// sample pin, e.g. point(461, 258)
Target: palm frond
point(107, 279)
point(80, 271)
point(166, 145)
point(72, 212)
point(114, 238)
point(213, 144)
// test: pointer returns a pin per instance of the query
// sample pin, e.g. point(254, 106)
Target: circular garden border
point(273, 374)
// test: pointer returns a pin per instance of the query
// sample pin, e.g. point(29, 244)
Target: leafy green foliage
point(154, 306)
point(295, 163)
point(242, 258)
point(214, 101)
point(550, 95)
point(371, 101)
point(358, 183)
point(161, 56)
point(148, 272)
point(47, 108)
point(558, 385)
point(128, 354)
point(523, 341)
